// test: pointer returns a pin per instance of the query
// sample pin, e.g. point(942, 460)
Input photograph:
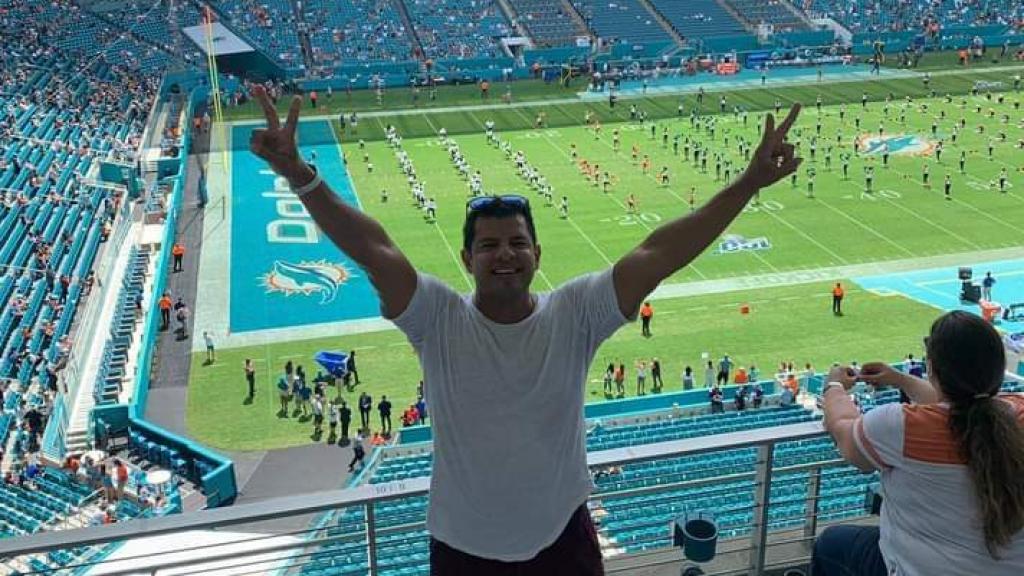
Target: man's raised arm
point(354, 233)
point(679, 242)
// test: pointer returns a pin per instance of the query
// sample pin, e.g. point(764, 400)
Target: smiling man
point(505, 368)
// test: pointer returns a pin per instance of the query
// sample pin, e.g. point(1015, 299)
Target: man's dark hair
point(497, 209)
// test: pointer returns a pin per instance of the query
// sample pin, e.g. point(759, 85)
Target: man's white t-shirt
point(507, 407)
point(930, 521)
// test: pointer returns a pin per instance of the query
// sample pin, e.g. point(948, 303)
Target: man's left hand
point(774, 158)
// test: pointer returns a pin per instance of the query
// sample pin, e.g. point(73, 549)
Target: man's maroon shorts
point(576, 552)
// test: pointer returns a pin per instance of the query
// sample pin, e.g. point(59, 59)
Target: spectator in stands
point(740, 398)
point(121, 476)
point(715, 395)
point(961, 439)
point(107, 482)
point(758, 396)
point(484, 511)
point(787, 397)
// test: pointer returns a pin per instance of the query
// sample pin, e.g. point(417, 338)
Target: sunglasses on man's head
point(514, 201)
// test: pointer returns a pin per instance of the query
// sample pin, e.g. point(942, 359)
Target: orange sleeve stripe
point(927, 437)
point(865, 443)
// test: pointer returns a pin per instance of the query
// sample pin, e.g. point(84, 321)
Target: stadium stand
point(272, 24)
point(350, 31)
point(896, 16)
point(625, 22)
point(776, 13)
point(699, 19)
point(150, 21)
point(460, 29)
point(548, 23)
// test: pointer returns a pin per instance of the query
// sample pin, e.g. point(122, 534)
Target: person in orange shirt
point(165, 310)
point(646, 313)
point(837, 299)
point(741, 376)
point(178, 251)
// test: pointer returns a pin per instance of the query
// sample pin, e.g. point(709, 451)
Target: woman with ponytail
point(951, 463)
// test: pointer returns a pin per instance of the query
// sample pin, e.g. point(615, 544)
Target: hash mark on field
point(394, 344)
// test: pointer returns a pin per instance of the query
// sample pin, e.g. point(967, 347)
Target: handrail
point(371, 493)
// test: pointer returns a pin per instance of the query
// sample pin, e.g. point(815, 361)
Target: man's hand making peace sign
point(277, 144)
point(677, 243)
point(774, 158)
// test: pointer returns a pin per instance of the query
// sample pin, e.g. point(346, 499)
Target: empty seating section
point(269, 23)
point(345, 32)
point(772, 12)
point(64, 25)
point(698, 18)
point(128, 313)
point(150, 20)
point(548, 22)
point(458, 28)
point(900, 15)
point(621, 21)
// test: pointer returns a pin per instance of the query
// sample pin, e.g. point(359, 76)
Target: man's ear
point(536, 254)
point(467, 260)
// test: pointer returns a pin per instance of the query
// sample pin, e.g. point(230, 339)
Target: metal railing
point(295, 547)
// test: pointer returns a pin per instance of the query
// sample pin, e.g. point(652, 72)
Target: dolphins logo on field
point(909, 144)
point(306, 278)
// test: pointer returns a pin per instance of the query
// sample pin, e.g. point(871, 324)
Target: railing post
point(371, 538)
point(762, 497)
point(813, 493)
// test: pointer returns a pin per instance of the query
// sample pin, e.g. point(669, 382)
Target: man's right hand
point(277, 144)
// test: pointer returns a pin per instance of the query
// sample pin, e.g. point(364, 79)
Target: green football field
point(843, 224)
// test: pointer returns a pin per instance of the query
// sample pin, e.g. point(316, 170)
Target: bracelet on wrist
point(313, 184)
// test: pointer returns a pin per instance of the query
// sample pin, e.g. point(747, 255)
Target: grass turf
point(842, 225)
point(785, 324)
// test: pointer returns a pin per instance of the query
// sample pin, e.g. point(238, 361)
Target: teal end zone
point(940, 287)
point(284, 271)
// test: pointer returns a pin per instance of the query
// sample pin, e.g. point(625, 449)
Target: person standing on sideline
point(178, 252)
point(211, 354)
point(641, 378)
point(365, 406)
point(986, 287)
point(182, 315)
point(656, 382)
point(688, 378)
point(358, 453)
point(479, 350)
point(620, 381)
point(724, 370)
point(345, 415)
point(421, 407)
point(350, 366)
point(165, 311)
point(250, 377)
point(384, 407)
point(332, 420)
point(709, 374)
point(646, 313)
point(837, 299)
point(318, 414)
